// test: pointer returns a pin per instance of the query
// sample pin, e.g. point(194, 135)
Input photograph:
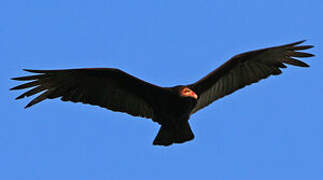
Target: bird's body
point(172, 113)
point(171, 107)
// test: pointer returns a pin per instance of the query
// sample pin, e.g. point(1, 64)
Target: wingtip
point(19, 78)
point(15, 78)
point(31, 70)
point(297, 43)
point(15, 88)
point(303, 40)
point(310, 55)
point(310, 46)
point(29, 104)
point(304, 65)
point(19, 97)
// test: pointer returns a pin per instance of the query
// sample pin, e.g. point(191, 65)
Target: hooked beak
point(193, 95)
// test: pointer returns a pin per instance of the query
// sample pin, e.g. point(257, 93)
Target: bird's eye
point(187, 90)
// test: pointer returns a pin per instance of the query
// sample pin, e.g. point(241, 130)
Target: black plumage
point(171, 107)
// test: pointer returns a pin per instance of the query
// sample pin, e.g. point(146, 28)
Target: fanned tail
point(168, 135)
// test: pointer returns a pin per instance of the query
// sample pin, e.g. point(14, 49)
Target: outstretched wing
point(108, 88)
point(245, 69)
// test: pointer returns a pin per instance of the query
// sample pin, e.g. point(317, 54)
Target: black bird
point(171, 107)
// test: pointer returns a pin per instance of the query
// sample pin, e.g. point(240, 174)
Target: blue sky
point(270, 130)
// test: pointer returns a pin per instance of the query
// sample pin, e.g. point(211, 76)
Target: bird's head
point(187, 92)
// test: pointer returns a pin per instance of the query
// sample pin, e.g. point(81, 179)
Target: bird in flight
point(171, 107)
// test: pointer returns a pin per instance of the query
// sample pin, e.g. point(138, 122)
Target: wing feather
point(245, 69)
point(105, 87)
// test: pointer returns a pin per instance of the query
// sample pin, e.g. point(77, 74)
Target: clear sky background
point(270, 130)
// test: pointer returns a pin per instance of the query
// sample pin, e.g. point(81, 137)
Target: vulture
point(170, 107)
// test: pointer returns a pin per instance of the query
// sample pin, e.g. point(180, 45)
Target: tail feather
point(168, 135)
point(184, 133)
point(165, 136)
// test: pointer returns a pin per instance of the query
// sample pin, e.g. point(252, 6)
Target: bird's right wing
point(108, 88)
point(245, 69)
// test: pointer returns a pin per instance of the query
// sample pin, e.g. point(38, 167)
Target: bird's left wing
point(245, 69)
point(106, 87)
